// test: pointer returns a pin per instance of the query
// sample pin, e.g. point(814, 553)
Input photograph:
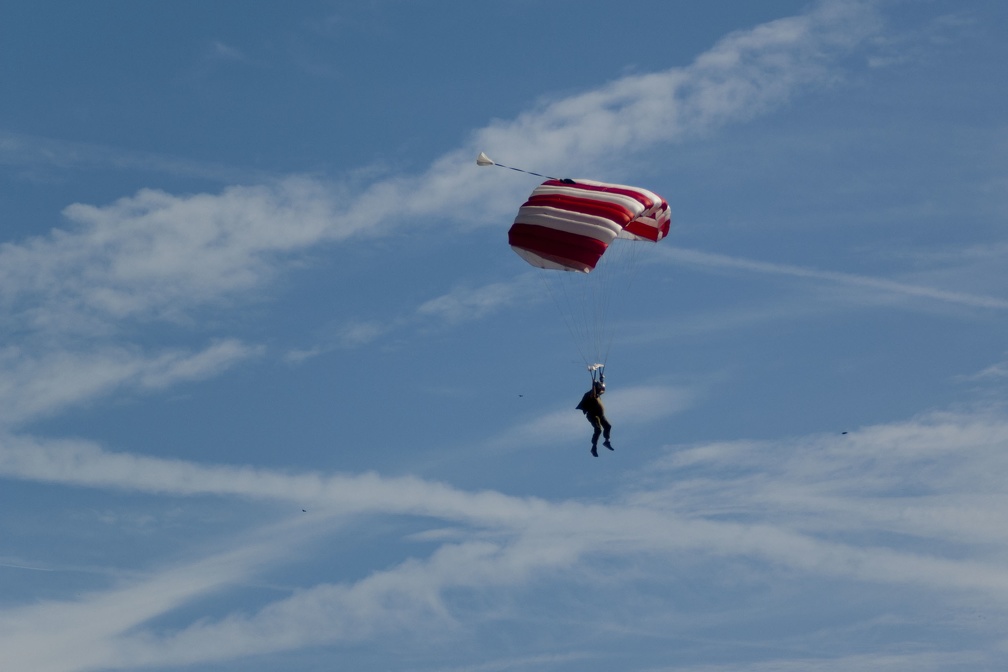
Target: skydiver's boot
point(608, 445)
point(594, 450)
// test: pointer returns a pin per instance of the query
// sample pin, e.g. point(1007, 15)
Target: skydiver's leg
point(607, 428)
point(598, 430)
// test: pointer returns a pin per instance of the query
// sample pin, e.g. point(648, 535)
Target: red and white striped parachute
point(568, 224)
point(571, 225)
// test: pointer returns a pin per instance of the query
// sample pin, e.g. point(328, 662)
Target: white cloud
point(915, 661)
point(34, 385)
point(743, 75)
point(39, 154)
point(152, 256)
point(931, 477)
point(891, 287)
point(993, 373)
point(465, 303)
point(632, 405)
point(156, 256)
point(84, 634)
point(226, 52)
point(804, 506)
point(154, 253)
point(461, 304)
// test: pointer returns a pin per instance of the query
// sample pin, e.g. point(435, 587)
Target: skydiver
point(591, 406)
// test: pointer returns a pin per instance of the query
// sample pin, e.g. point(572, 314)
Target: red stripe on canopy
point(607, 188)
point(573, 251)
point(647, 230)
point(611, 211)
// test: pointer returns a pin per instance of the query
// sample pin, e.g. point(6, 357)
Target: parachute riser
point(484, 160)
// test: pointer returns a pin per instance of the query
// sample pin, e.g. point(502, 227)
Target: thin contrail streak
point(710, 260)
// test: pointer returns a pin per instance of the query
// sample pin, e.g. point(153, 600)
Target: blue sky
point(275, 394)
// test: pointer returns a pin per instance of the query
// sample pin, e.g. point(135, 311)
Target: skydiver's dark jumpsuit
point(591, 406)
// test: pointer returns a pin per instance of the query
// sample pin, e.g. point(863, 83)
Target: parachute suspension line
point(584, 302)
point(619, 268)
point(580, 299)
point(605, 290)
point(587, 302)
point(600, 293)
point(558, 287)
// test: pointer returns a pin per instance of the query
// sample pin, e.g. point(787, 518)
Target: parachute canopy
point(568, 224)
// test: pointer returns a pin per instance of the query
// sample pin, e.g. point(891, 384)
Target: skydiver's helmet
point(599, 387)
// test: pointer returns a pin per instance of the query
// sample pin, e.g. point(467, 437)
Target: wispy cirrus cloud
point(909, 476)
point(71, 299)
point(460, 304)
point(31, 152)
point(87, 633)
point(467, 303)
point(805, 506)
point(155, 252)
point(633, 405)
point(470, 303)
point(153, 255)
point(992, 373)
point(709, 260)
point(35, 385)
point(745, 74)
point(905, 506)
